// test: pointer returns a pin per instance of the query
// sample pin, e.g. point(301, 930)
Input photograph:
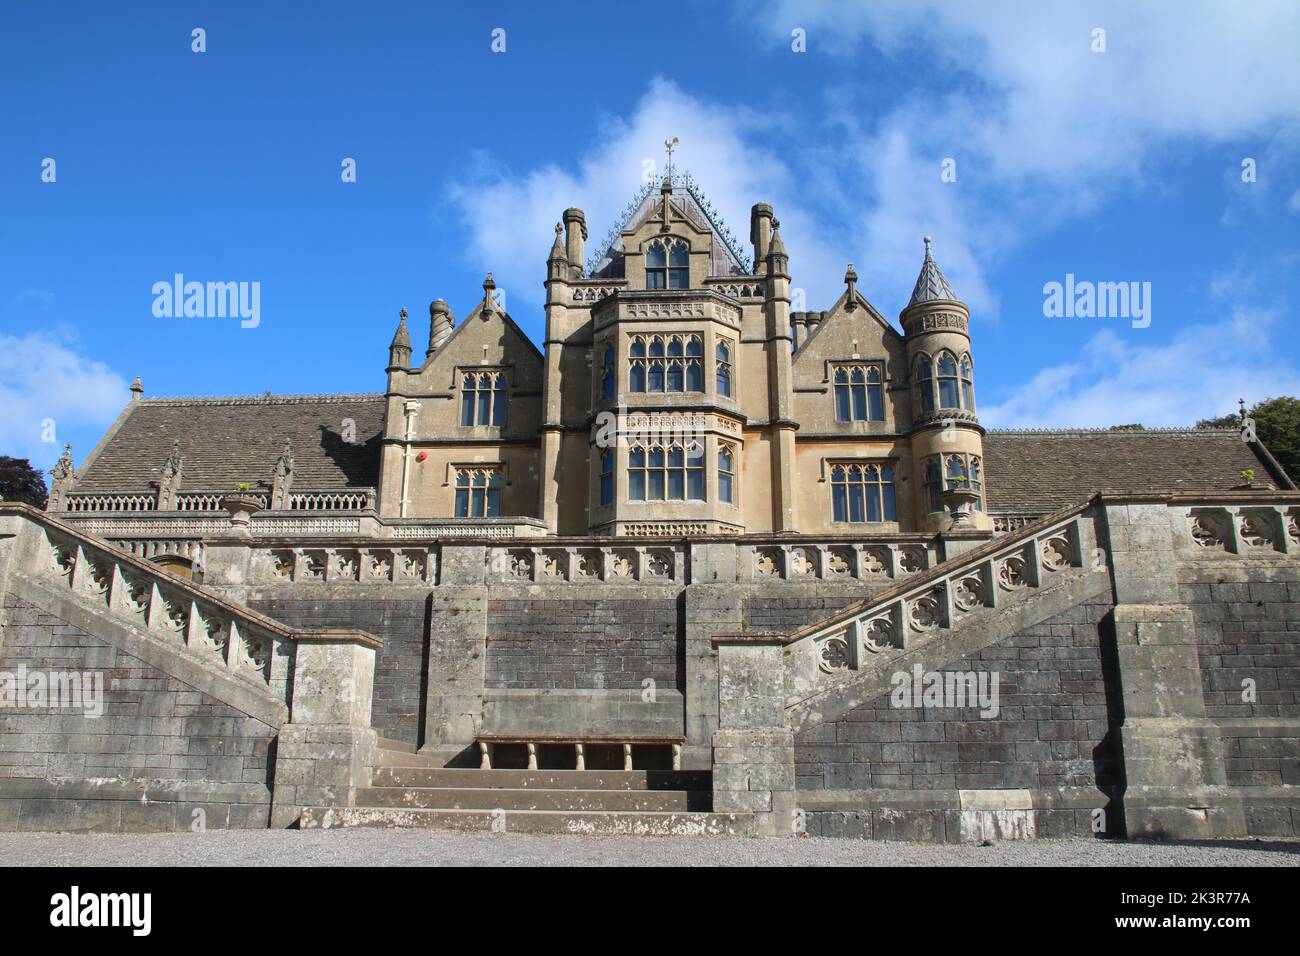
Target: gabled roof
point(225, 441)
point(689, 199)
point(930, 285)
point(1041, 471)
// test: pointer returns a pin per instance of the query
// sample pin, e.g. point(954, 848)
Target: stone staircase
point(410, 790)
point(966, 603)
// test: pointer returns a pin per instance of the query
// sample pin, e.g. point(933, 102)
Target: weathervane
point(670, 145)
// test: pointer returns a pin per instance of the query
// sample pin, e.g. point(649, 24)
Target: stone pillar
point(457, 653)
point(323, 754)
point(753, 748)
point(713, 605)
point(1172, 755)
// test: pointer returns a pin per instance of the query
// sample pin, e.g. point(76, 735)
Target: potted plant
point(242, 505)
point(960, 499)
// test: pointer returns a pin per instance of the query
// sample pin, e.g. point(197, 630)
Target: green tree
point(19, 481)
point(1277, 425)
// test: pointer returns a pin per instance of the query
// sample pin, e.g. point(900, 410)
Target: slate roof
point(930, 284)
point(225, 441)
point(1044, 471)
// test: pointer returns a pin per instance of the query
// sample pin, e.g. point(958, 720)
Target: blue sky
point(1122, 165)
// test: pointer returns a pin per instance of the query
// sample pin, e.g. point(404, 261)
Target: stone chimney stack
point(441, 323)
point(575, 235)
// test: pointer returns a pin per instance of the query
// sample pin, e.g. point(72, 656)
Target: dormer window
point(483, 399)
point(667, 265)
point(859, 394)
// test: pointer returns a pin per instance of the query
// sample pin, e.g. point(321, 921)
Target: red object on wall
point(421, 456)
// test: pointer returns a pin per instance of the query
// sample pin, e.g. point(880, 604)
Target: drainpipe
point(410, 408)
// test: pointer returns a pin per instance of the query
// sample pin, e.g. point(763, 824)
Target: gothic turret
point(947, 440)
point(399, 351)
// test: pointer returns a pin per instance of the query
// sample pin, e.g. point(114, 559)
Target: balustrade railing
point(940, 598)
point(169, 608)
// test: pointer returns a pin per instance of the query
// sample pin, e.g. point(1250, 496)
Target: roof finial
point(851, 281)
point(1241, 407)
point(927, 240)
point(670, 145)
point(136, 389)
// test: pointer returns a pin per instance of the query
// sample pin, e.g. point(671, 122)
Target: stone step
point(386, 757)
point(409, 775)
point(439, 798)
point(531, 821)
point(384, 743)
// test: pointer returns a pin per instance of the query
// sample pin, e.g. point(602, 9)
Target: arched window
point(967, 384)
point(656, 266)
point(483, 399)
point(679, 260)
point(948, 395)
point(656, 380)
point(694, 364)
point(933, 485)
point(607, 374)
point(636, 474)
point(956, 470)
point(676, 368)
point(606, 477)
point(925, 383)
point(859, 394)
point(478, 492)
point(666, 474)
point(863, 493)
point(667, 266)
point(695, 472)
point(723, 355)
point(636, 358)
point(726, 475)
point(673, 363)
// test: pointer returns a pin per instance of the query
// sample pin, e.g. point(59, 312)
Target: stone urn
point(960, 502)
point(241, 507)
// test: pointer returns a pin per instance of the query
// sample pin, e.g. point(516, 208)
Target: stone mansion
point(659, 576)
point(675, 394)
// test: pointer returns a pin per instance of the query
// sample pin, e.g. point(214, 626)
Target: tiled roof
point(930, 284)
point(1043, 471)
point(225, 441)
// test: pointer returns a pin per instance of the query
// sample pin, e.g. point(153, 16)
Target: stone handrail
point(220, 633)
point(937, 599)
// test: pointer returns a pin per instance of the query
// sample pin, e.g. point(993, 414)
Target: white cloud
point(1199, 374)
point(1042, 128)
point(511, 216)
point(43, 379)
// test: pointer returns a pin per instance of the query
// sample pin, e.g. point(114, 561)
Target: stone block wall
point(608, 644)
point(783, 613)
point(1248, 631)
point(400, 620)
point(160, 751)
point(1054, 730)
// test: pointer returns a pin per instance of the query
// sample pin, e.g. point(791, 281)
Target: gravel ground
point(362, 847)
